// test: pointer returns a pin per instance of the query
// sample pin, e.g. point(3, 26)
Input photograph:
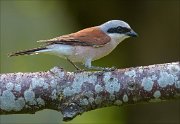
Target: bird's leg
point(75, 66)
point(89, 66)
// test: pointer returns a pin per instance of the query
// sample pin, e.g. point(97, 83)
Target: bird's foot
point(102, 68)
point(56, 70)
point(109, 69)
point(80, 70)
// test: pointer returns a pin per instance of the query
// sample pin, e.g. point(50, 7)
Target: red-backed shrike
point(85, 45)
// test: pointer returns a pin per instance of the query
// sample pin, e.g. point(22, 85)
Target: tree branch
point(73, 93)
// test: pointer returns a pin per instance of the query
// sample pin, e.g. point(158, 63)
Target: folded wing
point(87, 37)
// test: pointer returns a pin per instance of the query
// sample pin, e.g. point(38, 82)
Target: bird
point(86, 45)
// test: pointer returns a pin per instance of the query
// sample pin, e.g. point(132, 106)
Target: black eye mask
point(119, 29)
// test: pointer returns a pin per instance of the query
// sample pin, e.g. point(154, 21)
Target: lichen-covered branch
point(73, 93)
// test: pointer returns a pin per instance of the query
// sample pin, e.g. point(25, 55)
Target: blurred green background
point(157, 22)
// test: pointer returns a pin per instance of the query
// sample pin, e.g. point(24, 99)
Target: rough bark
point(73, 93)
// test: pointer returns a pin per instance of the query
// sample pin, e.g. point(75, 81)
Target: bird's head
point(118, 30)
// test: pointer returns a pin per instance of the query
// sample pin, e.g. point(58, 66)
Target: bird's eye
point(119, 29)
point(123, 29)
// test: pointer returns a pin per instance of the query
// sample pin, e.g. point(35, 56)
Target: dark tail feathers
point(26, 52)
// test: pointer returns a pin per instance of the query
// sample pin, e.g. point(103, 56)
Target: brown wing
point(86, 37)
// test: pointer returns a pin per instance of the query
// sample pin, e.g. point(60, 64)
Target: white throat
point(118, 38)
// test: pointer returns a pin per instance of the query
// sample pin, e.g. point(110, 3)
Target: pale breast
point(81, 53)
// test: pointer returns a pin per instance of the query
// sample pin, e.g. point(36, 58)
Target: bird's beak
point(132, 33)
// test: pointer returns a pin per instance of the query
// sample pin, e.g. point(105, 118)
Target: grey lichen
point(19, 104)
point(111, 83)
point(53, 83)
point(78, 82)
point(29, 96)
point(39, 82)
point(140, 70)
point(17, 87)
point(157, 94)
point(8, 102)
point(91, 100)
point(131, 73)
point(88, 94)
point(107, 76)
point(19, 76)
point(76, 86)
point(98, 88)
point(112, 86)
point(45, 86)
point(166, 79)
point(147, 83)
point(125, 98)
point(85, 77)
point(154, 77)
point(40, 101)
point(2, 77)
point(174, 69)
point(84, 101)
point(54, 94)
point(68, 91)
point(9, 86)
point(177, 84)
point(98, 100)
